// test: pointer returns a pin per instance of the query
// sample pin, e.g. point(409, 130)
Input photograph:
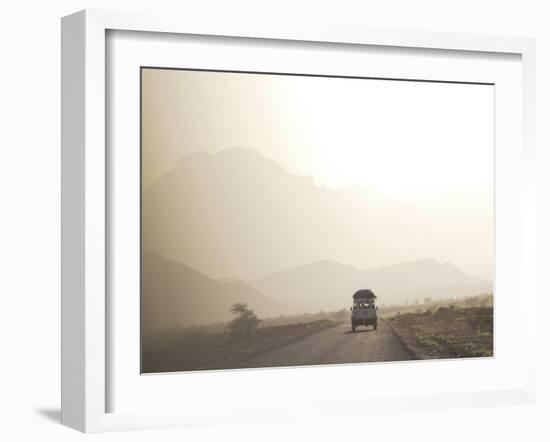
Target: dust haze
point(287, 194)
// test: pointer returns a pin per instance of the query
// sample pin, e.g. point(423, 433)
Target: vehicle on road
point(364, 309)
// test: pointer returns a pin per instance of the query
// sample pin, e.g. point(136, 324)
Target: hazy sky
point(394, 136)
point(425, 143)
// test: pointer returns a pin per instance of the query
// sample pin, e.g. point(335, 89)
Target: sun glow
point(394, 136)
point(397, 137)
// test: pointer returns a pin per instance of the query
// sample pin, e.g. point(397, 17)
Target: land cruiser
point(364, 309)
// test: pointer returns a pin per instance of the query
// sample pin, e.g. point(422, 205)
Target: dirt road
point(336, 345)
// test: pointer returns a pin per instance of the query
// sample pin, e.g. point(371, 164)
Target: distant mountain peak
point(195, 156)
point(237, 152)
point(241, 151)
point(243, 157)
point(324, 263)
point(422, 262)
point(315, 266)
point(233, 158)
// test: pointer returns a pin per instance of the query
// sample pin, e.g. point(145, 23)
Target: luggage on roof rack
point(364, 294)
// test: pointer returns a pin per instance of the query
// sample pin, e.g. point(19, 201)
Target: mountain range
point(237, 213)
point(173, 294)
point(329, 285)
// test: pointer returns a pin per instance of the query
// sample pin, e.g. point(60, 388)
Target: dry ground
point(448, 332)
point(204, 349)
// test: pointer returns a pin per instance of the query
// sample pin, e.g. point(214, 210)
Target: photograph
point(304, 219)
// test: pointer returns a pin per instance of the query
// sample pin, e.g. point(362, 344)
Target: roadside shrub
point(244, 323)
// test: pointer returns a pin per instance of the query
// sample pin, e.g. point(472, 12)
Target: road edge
point(412, 354)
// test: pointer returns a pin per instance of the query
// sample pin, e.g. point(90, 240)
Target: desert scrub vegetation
point(245, 322)
point(483, 300)
point(448, 332)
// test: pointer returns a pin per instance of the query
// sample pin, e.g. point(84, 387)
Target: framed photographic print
point(250, 256)
point(250, 213)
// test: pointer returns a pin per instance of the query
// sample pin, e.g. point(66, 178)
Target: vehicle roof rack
point(364, 294)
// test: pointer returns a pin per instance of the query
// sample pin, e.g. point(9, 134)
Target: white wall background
point(30, 220)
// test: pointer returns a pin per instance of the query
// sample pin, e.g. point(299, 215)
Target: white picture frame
point(86, 201)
